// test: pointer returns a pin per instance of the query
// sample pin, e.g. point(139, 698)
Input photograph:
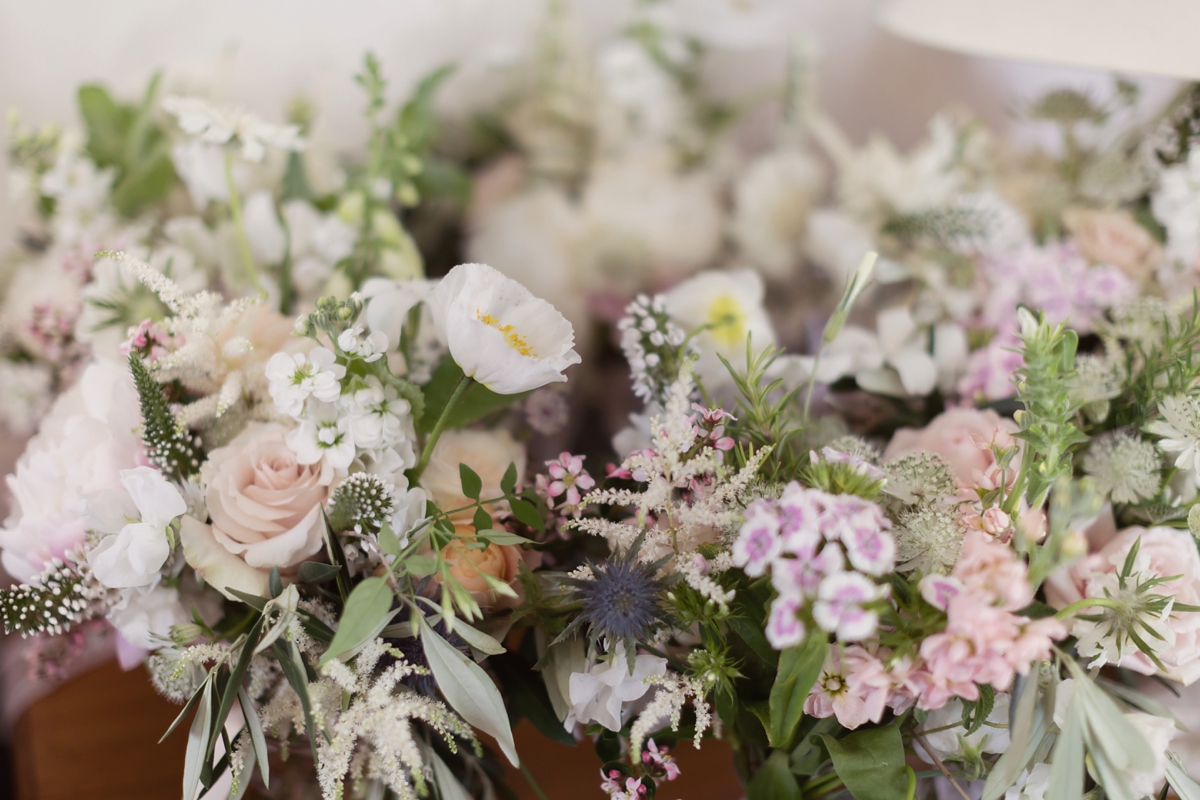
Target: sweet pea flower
point(499, 333)
point(132, 553)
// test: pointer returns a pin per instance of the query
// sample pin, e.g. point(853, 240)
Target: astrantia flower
point(295, 377)
point(216, 125)
point(1125, 465)
point(1180, 429)
point(620, 603)
point(499, 333)
point(928, 540)
point(134, 519)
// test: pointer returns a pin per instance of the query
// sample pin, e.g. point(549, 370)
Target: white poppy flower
point(606, 692)
point(499, 333)
point(133, 552)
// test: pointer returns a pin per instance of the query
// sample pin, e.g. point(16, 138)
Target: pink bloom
point(839, 607)
point(990, 369)
point(953, 435)
point(784, 628)
point(869, 549)
point(758, 541)
point(657, 759)
point(852, 686)
point(568, 477)
point(801, 511)
point(939, 590)
point(989, 568)
point(801, 577)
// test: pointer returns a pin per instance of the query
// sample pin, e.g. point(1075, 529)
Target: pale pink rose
point(959, 436)
point(1114, 237)
point(1171, 552)
point(265, 508)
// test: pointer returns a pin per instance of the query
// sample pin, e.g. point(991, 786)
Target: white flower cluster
point(342, 419)
point(650, 342)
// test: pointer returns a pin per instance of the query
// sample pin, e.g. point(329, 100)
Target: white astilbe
point(382, 712)
point(208, 358)
point(698, 574)
point(688, 494)
point(668, 702)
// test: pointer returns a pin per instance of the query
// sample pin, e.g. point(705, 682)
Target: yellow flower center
point(513, 339)
point(728, 321)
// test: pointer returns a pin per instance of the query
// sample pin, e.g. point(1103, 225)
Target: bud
point(186, 633)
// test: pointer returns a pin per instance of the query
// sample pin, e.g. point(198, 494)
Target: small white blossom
point(294, 378)
point(606, 692)
point(1124, 465)
point(134, 519)
point(221, 126)
point(371, 348)
point(1180, 429)
point(323, 436)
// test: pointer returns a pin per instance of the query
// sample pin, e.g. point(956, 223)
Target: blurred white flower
point(836, 243)
point(729, 308)
point(1176, 205)
point(605, 694)
point(951, 742)
point(323, 437)
point(647, 95)
point(202, 168)
point(216, 125)
point(144, 617)
point(26, 396)
point(772, 201)
point(499, 333)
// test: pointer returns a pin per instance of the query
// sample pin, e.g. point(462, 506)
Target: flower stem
point(812, 380)
point(239, 225)
point(533, 784)
point(414, 474)
point(1087, 602)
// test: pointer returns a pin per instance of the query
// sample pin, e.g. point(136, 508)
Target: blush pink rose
point(1171, 552)
point(265, 509)
point(961, 437)
point(1114, 237)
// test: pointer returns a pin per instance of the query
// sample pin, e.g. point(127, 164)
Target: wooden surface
point(96, 737)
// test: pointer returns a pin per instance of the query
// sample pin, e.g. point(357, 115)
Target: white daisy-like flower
point(1180, 429)
point(772, 202)
point(378, 415)
point(499, 333)
point(295, 377)
point(323, 435)
point(224, 126)
point(1125, 465)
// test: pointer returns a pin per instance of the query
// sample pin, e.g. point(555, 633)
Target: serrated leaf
point(257, 740)
point(870, 762)
point(503, 537)
point(468, 689)
point(509, 482)
point(526, 513)
point(472, 484)
point(317, 572)
point(367, 611)
point(799, 668)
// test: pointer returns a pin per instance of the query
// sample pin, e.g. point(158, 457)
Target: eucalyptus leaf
point(316, 572)
point(193, 763)
point(367, 611)
point(799, 668)
point(503, 537)
point(234, 684)
point(389, 542)
point(420, 566)
point(257, 740)
point(1108, 728)
point(773, 780)
point(292, 664)
point(478, 640)
point(468, 689)
point(448, 784)
point(187, 709)
point(1180, 781)
point(1066, 768)
point(870, 761)
point(1023, 738)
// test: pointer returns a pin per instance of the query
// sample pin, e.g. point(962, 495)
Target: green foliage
point(367, 611)
point(773, 780)
point(126, 137)
point(799, 668)
point(476, 402)
point(765, 417)
point(975, 713)
point(870, 762)
point(168, 445)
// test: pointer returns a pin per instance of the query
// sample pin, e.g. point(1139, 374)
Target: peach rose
point(961, 437)
point(1171, 552)
point(1114, 237)
point(468, 566)
point(487, 452)
point(265, 509)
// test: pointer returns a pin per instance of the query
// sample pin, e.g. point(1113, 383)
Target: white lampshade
point(1148, 37)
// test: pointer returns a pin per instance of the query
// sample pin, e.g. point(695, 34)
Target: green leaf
point(527, 513)
point(1028, 729)
point(754, 638)
point(234, 684)
point(509, 482)
point(420, 566)
point(476, 402)
point(447, 783)
point(799, 668)
point(478, 639)
point(257, 740)
point(503, 537)
point(467, 689)
point(168, 446)
point(773, 780)
point(292, 664)
point(317, 572)
point(1066, 767)
point(808, 757)
point(416, 118)
point(106, 123)
point(259, 604)
point(472, 484)
point(193, 763)
point(389, 543)
point(528, 697)
point(1180, 781)
point(483, 521)
point(367, 610)
point(870, 762)
point(275, 583)
point(191, 704)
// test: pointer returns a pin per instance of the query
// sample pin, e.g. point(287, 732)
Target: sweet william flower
point(135, 519)
point(499, 333)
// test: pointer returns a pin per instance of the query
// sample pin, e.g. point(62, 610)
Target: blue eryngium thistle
point(621, 602)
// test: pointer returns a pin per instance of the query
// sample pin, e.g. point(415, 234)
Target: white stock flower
point(323, 437)
point(378, 416)
point(499, 333)
point(1176, 205)
point(730, 304)
point(605, 693)
point(144, 617)
point(295, 377)
point(215, 125)
point(369, 348)
point(132, 552)
point(772, 201)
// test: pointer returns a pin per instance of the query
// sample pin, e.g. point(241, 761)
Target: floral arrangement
point(918, 521)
